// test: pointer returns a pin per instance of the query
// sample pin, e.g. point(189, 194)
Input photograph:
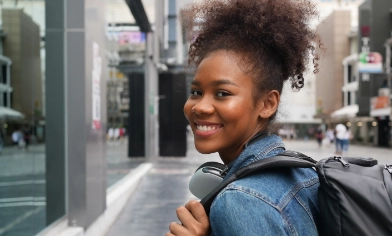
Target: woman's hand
point(194, 221)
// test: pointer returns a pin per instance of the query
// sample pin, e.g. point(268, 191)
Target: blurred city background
point(93, 140)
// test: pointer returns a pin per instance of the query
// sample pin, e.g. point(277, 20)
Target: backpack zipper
point(341, 160)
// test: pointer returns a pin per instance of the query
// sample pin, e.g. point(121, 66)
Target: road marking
point(22, 199)
point(19, 219)
point(22, 182)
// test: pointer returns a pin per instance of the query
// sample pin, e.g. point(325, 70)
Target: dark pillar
point(136, 118)
point(172, 122)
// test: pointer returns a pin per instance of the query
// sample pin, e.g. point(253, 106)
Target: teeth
point(206, 127)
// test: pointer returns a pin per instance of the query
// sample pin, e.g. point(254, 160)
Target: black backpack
point(355, 194)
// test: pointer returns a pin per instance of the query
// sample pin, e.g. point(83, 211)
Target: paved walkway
point(151, 209)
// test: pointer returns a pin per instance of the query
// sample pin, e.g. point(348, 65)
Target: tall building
point(22, 46)
point(329, 81)
point(375, 27)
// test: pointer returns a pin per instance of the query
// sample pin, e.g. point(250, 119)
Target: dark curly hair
point(274, 37)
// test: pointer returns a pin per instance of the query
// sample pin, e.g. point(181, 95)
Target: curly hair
point(274, 37)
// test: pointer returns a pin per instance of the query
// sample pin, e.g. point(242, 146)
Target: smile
point(207, 127)
point(205, 130)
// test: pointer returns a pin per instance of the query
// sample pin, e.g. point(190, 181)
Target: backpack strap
point(287, 159)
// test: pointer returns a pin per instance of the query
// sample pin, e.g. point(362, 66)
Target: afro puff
point(274, 37)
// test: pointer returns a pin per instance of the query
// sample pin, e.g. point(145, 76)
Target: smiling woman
point(221, 105)
point(243, 53)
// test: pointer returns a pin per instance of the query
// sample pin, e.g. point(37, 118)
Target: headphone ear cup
point(206, 178)
point(217, 165)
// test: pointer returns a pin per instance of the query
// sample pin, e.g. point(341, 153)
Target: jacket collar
point(259, 147)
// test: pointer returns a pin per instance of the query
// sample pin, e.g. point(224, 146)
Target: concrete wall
point(75, 69)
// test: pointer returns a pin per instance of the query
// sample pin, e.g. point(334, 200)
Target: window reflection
point(22, 117)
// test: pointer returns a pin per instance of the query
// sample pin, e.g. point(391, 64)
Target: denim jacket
point(274, 202)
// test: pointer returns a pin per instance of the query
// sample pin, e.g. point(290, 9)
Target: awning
point(6, 112)
point(347, 111)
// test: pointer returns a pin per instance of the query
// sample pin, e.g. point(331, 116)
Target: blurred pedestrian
point(26, 138)
point(330, 135)
point(111, 133)
point(117, 133)
point(340, 130)
point(244, 51)
point(121, 134)
point(346, 139)
point(319, 136)
point(15, 137)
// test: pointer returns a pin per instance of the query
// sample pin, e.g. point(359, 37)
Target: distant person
point(111, 133)
point(15, 137)
point(330, 136)
point(319, 136)
point(346, 140)
point(121, 134)
point(26, 138)
point(340, 130)
point(116, 133)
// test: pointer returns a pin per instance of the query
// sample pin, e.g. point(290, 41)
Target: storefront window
point(126, 47)
point(22, 117)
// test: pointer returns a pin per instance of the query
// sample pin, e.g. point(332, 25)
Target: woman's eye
point(222, 94)
point(195, 93)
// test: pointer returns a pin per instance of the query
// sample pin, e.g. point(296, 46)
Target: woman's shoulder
point(287, 197)
point(276, 187)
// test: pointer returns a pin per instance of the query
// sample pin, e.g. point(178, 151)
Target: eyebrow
point(216, 82)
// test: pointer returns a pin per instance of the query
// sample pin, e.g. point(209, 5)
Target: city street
point(152, 207)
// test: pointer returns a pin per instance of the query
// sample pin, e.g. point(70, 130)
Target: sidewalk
point(152, 207)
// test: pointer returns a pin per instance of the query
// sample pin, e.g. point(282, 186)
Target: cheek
point(188, 109)
point(237, 110)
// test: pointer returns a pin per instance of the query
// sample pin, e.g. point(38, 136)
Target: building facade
point(362, 92)
point(329, 81)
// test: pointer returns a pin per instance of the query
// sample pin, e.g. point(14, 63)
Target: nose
point(203, 107)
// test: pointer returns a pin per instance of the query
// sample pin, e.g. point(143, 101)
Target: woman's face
point(220, 108)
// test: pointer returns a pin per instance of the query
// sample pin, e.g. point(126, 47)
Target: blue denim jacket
point(274, 202)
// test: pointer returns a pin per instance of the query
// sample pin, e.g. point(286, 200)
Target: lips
point(206, 129)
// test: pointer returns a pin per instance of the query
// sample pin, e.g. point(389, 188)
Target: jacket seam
point(234, 188)
point(306, 209)
point(295, 190)
point(269, 149)
point(287, 224)
point(285, 220)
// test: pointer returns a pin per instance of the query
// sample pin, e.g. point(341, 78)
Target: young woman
point(244, 52)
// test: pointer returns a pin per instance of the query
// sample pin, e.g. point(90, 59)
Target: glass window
point(22, 117)
point(126, 47)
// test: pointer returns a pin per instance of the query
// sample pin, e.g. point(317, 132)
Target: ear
point(269, 104)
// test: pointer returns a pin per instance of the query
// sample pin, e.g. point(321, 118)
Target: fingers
point(176, 229)
point(198, 212)
point(185, 216)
